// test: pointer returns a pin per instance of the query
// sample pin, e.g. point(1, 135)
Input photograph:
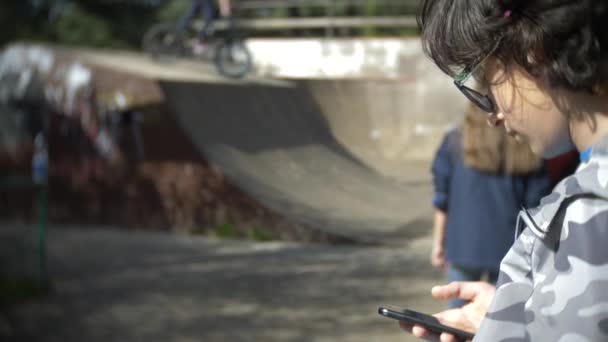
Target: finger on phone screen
point(409, 328)
point(419, 331)
point(424, 334)
point(414, 330)
point(445, 337)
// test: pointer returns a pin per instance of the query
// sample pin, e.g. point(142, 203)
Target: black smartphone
point(427, 321)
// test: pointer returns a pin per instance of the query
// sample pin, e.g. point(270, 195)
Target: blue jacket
point(481, 208)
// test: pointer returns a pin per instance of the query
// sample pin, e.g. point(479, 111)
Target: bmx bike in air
point(228, 51)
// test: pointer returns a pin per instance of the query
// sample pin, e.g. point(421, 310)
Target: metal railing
point(329, 15)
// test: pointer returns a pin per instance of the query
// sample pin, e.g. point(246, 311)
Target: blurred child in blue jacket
point(481, 178)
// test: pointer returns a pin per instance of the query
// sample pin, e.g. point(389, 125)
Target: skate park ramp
point(345, 155)
point(276, 143)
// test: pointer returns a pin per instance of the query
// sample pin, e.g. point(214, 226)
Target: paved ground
point(116, 286)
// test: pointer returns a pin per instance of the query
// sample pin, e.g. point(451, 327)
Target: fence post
point(41, 243)
point(40, 176)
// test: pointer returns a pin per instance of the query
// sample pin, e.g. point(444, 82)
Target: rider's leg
point(225, 9)
point(195, 7)
point(208, 14)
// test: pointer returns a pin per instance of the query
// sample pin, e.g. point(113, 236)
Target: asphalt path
point(111, 285)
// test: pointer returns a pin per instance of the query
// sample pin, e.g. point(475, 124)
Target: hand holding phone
point(427, 321)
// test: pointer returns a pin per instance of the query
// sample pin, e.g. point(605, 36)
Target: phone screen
point(429, 322)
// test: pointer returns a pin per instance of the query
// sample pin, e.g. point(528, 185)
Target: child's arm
point(442, 171)
point(438, 250)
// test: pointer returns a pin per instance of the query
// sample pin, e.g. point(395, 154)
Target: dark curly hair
point(563, 42)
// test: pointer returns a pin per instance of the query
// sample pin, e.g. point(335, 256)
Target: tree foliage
point(101, 23)
point(122, 23)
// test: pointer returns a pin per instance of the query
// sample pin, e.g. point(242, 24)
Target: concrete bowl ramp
point(276, 144)
point(345, 155)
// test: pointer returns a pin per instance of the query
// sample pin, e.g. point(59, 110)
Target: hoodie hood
point(590, 180)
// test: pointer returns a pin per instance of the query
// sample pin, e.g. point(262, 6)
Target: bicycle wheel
point(233, 59)
point(163, 41)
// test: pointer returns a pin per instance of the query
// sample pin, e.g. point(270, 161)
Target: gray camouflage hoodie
point(553, 283)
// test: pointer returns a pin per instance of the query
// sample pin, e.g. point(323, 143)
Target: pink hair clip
point(508, 13)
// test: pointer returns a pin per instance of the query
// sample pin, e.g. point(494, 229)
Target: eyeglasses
point(482, 101)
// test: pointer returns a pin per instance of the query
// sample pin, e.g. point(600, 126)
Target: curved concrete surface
point(348, 156)
point(276, 144)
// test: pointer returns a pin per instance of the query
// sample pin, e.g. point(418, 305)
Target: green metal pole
point(42, 220)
